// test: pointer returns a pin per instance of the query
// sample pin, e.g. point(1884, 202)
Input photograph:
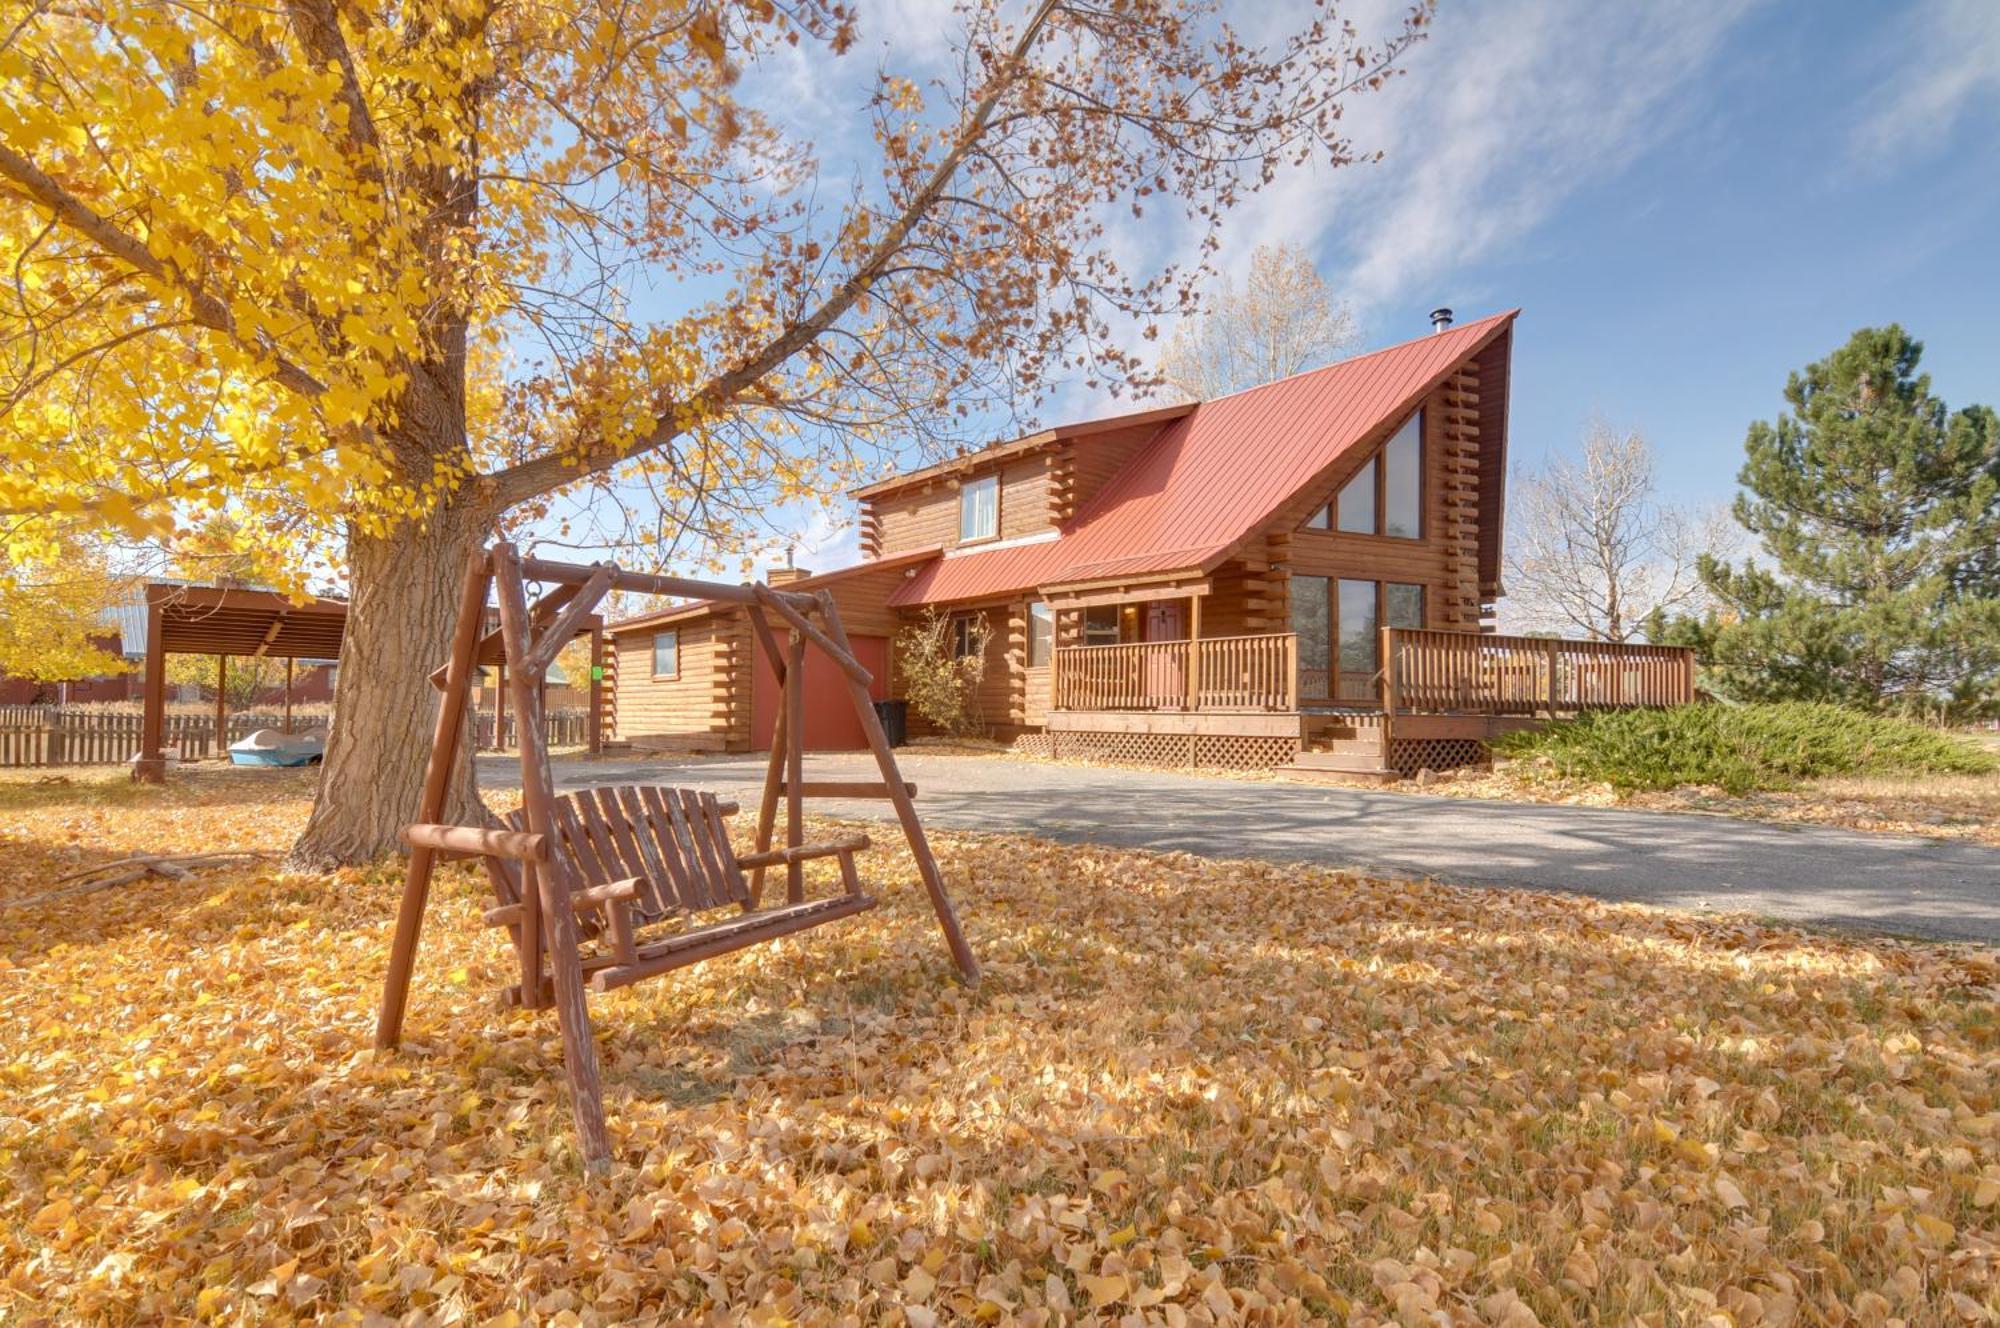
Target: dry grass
point(1188, 1091)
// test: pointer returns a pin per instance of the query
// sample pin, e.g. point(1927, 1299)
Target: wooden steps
point(1333, 767)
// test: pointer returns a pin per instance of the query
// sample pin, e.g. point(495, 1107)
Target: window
point(964, 637)
point(1041, 633)
point(979, 508)
point(1403, 481)
point(1357, 633)
point(1337, 622)
point(1386, 496)
point(1309, 595)
point(1402, 605)
point(1100, 626)
point(1356, 504)
point(667, 654)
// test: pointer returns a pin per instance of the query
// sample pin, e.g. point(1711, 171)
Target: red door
point(831, 724)
point(1166, 678)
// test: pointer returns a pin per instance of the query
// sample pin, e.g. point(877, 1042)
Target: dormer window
point(979, 509)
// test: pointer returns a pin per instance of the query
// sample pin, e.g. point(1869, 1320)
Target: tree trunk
point(405, 589)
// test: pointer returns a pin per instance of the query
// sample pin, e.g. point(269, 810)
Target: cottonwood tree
point(1877, 509)
point(53, 607)
point(1283, 320)
point(432, 270)
point(1591, 548)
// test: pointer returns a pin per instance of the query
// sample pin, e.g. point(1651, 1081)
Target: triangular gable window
point(1384, 497)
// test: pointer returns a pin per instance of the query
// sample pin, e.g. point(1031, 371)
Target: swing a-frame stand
point(607, 886)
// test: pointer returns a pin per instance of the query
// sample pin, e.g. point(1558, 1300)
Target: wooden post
point(437, 782)
point(1390, 699)
point(795, 733)
point(500, 707)
point(151, 767)
point(1292, 670)
point(899, 796)
point(538, 797)
point(1551, 650)
point(774, 767)
point(222, 707)
point(597, 690)
point(1194, 653)
point(289, 662)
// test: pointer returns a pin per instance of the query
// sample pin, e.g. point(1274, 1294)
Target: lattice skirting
point(1223, 750)
point(1409, 755)
point(1035, 744)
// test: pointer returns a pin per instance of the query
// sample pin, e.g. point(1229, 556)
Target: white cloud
point(1507, 109)
point(822, 540)
point(1947, 67)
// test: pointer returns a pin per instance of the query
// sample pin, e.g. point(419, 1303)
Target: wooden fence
point(33, 736)
point(566, 728)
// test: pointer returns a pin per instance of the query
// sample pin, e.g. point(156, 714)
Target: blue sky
point(1801, 181)
point(1687, 201)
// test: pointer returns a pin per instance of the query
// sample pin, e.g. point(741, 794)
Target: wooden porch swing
point(632, 869)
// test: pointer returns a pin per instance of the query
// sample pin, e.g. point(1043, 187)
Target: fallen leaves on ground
point(1964, 807)
point(1187, 1092)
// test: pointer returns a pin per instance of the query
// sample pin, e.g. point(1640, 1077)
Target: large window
point(1403, 481)
point(1356, 504)
point(1041, 633)
point(1357, 635)
point(1402, 605)
point(1386, 496)
point(1309, 620)
point(667, 654)
point(979, 509)
point(1338, 622)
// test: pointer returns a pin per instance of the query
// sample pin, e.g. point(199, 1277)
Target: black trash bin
point(895, 717)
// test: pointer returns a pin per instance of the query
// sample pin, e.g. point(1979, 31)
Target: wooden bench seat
point(642, 866)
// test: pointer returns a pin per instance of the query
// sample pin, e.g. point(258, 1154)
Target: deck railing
point(1426, 671)
point(1215, 673)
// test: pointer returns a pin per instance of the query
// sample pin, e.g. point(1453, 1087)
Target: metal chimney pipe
point(1440, 319)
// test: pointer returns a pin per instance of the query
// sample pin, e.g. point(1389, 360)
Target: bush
point(1741, 748)
point(941, 683)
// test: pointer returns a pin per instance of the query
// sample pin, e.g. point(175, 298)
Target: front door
point(1166, 670)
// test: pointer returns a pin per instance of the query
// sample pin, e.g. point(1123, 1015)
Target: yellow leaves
point(1543, 1103)
point(1104, 1291)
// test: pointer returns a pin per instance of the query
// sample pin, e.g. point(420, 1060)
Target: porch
point(1433, 700)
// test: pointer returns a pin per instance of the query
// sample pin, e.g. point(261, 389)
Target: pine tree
point(1878, 509)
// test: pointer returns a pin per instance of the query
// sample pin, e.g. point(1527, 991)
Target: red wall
point(831, 724)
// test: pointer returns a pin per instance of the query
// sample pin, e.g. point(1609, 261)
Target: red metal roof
point(1215, 475)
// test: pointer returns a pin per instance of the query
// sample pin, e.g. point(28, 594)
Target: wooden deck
point(1439, 697)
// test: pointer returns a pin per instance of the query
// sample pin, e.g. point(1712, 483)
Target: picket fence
point(33, 736)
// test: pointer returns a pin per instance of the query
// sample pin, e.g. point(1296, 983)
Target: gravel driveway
point(1881, 883)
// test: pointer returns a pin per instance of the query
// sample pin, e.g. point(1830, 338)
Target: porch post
point(1194, 653)
point(222, 707)
point(289, 661)
point(1389, 688)
point(500, 708)
point(151, 767)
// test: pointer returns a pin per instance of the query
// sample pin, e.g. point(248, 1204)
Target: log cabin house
point(1300, 573)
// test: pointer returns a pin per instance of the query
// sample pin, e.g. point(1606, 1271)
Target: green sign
point(597, 673)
